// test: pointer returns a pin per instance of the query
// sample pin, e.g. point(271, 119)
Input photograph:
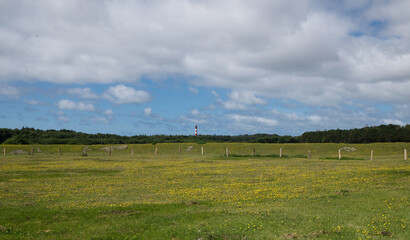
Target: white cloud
point(100, 119)
point(106, 118)
point(147, 111)
point(70, 105)
point(195, 112)
point(61, 116)
point(393, 121)
point(233, 105)
point(241, 100)
point(247, 98)
point(288, 116)
point(32, 102)
point(315, 119)
point(252, 120)
point(84, 93)
point(401, 111)
point(123, 94)
point(194, 120)
point(196, 117)
point(9, 90)
point(193, 90)
point(109, 112)
point(298, 119)
point(395, 91)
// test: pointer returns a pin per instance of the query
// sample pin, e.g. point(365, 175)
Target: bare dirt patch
point(18, 151)
point(291, 236)
point(108, 148)
point(121, 147)
point(348, 149)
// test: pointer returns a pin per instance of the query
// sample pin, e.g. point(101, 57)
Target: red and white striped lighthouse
point(196, 130)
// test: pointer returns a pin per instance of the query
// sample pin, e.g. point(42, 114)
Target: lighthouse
point(196, 130)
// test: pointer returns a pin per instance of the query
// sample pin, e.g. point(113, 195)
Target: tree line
point(382, 133)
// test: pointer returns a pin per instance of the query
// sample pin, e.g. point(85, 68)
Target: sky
point(232, 67)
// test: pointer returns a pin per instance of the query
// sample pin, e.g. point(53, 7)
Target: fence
point(248, 151)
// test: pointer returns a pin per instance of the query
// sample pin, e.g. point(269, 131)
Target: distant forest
point(382, 133)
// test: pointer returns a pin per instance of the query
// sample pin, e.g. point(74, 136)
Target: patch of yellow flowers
point(127, 181)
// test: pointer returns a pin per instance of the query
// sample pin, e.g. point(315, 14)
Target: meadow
point(179, 193)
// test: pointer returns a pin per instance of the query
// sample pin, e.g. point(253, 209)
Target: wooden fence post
point(4, 151)
point(371, 155)
point(280, 152)
point(156, 151)
point(309, 154)
point(340, 154)
point(254, 151)
point(227, 151)
point(202, 151)
point(32, 151)
point(109, 152)
point(179, 150)
point(132, 151)
point(405, 154)
point(59, 151)
point(85, 151)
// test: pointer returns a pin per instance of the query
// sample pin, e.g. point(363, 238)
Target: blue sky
point(230, 67)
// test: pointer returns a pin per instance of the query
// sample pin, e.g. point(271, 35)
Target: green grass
point(188, 195)
point(342, 158)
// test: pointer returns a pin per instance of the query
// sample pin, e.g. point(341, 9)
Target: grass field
point(187, 195)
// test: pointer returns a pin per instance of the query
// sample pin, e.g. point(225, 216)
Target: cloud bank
point(321, 54)
point(304, 50)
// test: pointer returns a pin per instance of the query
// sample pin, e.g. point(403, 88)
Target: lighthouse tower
point(196, 130)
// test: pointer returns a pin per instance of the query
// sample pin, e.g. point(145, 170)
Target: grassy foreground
point(191, 196)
